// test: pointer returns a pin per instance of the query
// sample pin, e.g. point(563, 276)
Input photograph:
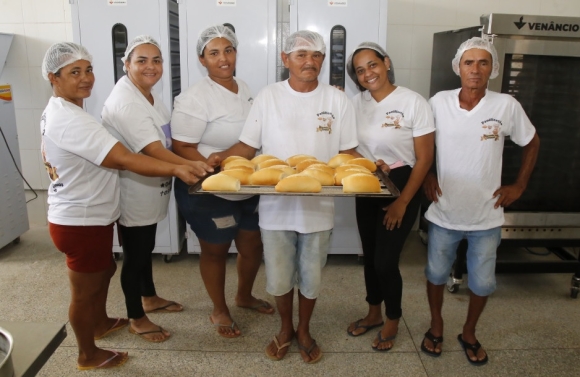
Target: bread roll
point(261, 158)
point(230, 158)
point(364, 162)
point(241, 174)
point(340, 175)
point(339, 159)
point(239, 162)
point(361, 183)
point(306, 163)
point(271, 162)
point(323, 167)
point(266, 177)
point(321, 176)
point(350, 166)
point(294, 160)
point(298, 183)
point(221, 182)
point(240, 167)
point(285, 168)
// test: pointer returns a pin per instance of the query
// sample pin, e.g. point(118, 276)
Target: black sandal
point(435, 340)
point(474, 348)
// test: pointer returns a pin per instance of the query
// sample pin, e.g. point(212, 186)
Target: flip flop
point(474, 348)
point(435, 340)
point(163, 309)
point(103, 365)
point(365, 327)
point(142, 334)
point(116, 326)
point(382, 340)
point(262, 304)
point(308, 350)
point(279, 348)
point(232, 326)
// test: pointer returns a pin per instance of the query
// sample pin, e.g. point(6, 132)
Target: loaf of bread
point(306, 163)
point(298, 183)
point(242, 174)
point(339, 159)
point(266, 177)
point(239, 162)
point(285, 168)
point(294, 160)
point(321, 176)
point(229, 159)
point(340, 175)
point(261, 158)
point(350, 166)
point(364, 162)
point(221, 182)
point(271, 162)
point(324, 167)
point(357, 183)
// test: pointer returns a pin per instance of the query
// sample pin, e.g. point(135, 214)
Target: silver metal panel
point(5, 42)
point(534, 26)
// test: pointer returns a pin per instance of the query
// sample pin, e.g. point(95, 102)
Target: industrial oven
point(539, 58)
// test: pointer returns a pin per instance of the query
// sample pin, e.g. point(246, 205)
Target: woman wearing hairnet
point(136, 116)
point(81, 158)
point(208, 117)
point(395, 128)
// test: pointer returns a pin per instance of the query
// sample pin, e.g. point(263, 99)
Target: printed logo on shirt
point(393, 119)
point(325, 120)
point(491, 127)
point(165, 188)
point(251, 100)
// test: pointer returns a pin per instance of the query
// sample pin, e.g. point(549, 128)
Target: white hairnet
point(482, 44)
point(304, 40)
point(216, 31)
point(62, 54)
point(369, 46)
point(138, 40)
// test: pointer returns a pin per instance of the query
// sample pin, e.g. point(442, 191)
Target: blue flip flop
point(365, 327)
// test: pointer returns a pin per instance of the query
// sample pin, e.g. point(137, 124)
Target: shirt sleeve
point(348, 134)
point(188, 120)
point(136, 126)
point(521, 131)
point(252, 131)
point(423, 122)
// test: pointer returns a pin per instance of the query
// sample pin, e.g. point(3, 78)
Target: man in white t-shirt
point(297, 116)
point(468, 198)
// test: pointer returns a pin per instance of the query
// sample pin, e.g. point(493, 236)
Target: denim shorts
point(481, 256)
point(293, 258)
point(214, 219)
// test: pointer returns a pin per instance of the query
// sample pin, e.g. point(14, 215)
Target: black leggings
point(382, 248)
point(137, 272)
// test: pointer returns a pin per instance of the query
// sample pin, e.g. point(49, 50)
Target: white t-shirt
point(284, 123)
point(386, 129)
point(74, 144)
point(469, 157)
point(211, 116)
point(136, 123)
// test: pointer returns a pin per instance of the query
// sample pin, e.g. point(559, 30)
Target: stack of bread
point(299, 173)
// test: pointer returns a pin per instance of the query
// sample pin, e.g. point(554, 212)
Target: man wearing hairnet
point(468, 197)
point(298, 116)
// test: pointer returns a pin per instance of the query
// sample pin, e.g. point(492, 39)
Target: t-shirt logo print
point(393, 119)
point(491, 130)
point(325, 120)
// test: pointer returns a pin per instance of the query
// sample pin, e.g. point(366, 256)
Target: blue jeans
point(481, 256)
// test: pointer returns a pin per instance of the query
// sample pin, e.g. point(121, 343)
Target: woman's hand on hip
point(394, 216)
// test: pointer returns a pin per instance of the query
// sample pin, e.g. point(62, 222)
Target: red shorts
point(87, 248)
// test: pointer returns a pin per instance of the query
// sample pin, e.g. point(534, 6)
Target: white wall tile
point(36, 208)
point(403, 77)
point(422, 45)
point(11, 11)
point(421, 81)
point(400, 12)
point(69, 32)
point(17, 56)
point(41, 88)
point(434, 12)
point(399, 41)
point(31, 167)
point(17, 77)
point(67, 11)
point(567, 8)
point(39, 37)
point(28, 138)
point(43, 11)
point(531, 7)
point(469, 11)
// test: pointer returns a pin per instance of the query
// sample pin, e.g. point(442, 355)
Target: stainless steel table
point(34, 343)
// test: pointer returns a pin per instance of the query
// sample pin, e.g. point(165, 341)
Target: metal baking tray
point(388, 189)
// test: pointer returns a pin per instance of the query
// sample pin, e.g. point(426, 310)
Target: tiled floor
point(529, 328)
